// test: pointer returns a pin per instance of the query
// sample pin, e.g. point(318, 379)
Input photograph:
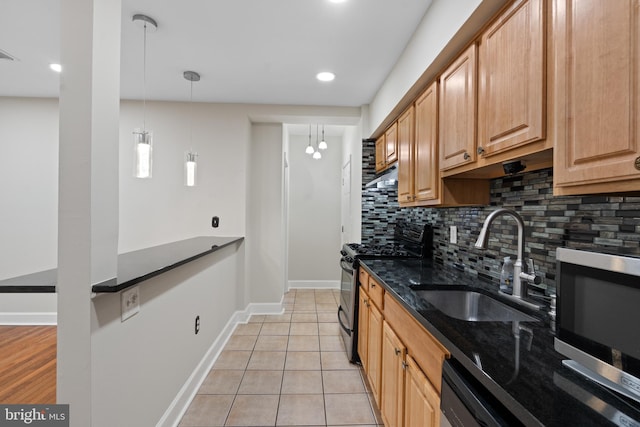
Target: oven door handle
point(346, 266)
point(347, 330)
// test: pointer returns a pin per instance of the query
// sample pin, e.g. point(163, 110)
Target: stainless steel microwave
point(598, 317)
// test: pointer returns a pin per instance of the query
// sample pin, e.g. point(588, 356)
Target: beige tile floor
point(286, 370)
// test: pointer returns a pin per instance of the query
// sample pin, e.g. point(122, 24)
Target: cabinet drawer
point(421, 345)
point(363, 278)
point(376, 293)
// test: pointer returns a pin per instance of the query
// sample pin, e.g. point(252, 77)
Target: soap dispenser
point(506, 275)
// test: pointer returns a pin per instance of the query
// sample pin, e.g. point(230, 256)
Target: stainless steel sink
point(473, 306)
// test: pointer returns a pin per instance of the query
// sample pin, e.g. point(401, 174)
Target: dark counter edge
point(111, 285)
point(499, 393)
point(108, 286)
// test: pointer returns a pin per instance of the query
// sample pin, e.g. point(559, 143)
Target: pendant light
point(142, 138)
point(309, 149)
point(323, 143)
point(317, 154)
point(190, 165)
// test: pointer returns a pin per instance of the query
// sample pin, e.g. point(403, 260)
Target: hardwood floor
point(28, 364)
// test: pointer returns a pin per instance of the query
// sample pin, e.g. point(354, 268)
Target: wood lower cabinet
point(370, 321)
point(374, 351)
point(393, 378)
point(363, 327)
point(421, 399)
point(401, 359)
point(596, 86)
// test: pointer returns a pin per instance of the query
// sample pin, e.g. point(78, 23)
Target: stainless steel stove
point(409, 241)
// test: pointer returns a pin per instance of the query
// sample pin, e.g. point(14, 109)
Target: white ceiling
point(247, 51)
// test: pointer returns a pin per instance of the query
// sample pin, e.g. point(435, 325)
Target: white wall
point(28, 185)
point(314, 216)
point(265, 232)
point(352, 151)
point(444, 30)
point(139, 365)
point(162, 209)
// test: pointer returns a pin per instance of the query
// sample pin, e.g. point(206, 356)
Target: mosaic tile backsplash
point(608, 222)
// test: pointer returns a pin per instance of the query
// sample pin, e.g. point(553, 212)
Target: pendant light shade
point(323, 143)
point(309, 149)
point(317, 154)
point(190, 165)
point(142, 138)
point(143, 150)
point(190, 169)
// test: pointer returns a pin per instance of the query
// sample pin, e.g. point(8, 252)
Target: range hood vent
point(388, 179)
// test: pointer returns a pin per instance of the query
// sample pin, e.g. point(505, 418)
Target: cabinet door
point(392, 384)
point(458, 111)
point(511, 70)
point(374, 351)
point(406, 156)
point(427, 173)
point(391, 136)
point(363, 327)
point(381, 154)
point(421, 400)
point(596, 69)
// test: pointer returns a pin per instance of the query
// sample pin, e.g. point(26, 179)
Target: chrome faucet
point(520, 277)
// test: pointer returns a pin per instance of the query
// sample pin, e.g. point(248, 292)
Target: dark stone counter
point(133, 267)
point(525, 374)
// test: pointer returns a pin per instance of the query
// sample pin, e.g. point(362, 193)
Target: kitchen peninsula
point(133, 267)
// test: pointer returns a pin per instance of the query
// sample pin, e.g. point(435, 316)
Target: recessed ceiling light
point(325, 76)
point(56, 67)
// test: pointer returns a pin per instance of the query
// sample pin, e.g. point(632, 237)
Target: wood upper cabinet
point(406, 153)
point(391, 138)
point(387, 148)
point(427, 172)
point(596, 86)
point(392, 387)
point(511, 79)
point(381, 154)
point(421, 399)
point(457, 136)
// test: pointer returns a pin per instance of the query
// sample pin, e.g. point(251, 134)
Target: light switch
point(453, 234)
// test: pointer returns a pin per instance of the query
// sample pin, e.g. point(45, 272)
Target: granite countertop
point(133, 267)
point(538, 390)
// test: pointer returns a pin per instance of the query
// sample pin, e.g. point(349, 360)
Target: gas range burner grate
point(379, 250)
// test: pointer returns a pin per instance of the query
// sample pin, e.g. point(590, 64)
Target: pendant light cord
point(191, 115)
point(144, 82)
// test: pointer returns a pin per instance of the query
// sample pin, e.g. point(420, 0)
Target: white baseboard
point(28, 318)
point(181, 402)
point(314, 284)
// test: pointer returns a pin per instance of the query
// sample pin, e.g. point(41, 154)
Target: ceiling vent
point(5, 55)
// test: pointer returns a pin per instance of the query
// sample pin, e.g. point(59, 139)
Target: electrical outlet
point(197, 326)
point(130, 302)
point(453, 234)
